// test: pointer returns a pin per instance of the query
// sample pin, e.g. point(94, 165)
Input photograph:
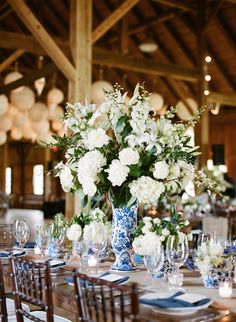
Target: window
point(8, 179)
point(38, 183)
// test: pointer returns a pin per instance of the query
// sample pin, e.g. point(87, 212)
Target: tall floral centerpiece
point(117, 149)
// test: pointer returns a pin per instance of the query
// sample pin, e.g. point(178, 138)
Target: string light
point(208, 59)
point(208, 78)
point(206, 92)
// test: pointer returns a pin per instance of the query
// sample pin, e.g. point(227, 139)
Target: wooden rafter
point(183, 5)
point(213, 14)
point(29, 78)
point(228, 35)
point(114, 17)
point(215, 97)
point(11, 59)
point(42, 36)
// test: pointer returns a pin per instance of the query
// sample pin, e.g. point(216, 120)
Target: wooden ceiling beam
point(105, 58)
point(42, 36)
point(227, 33)
point(11, 59)
point(29, 78)
point(215, 97)
point(114, 17)
point(183, 5)
point(213, 14)
point(146, 66)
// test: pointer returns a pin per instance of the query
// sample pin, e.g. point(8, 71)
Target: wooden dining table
point(222, 310)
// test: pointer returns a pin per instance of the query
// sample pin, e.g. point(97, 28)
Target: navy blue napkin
point(7, 253)
point(123, 279)
point(29, 244)
point(173, 302)
point(59, 264)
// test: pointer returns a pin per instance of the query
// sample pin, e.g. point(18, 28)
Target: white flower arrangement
point(74, 232)
point(118, 149)
point(161, 228)
point(95, 232)
point(210, 256)
point(147, 244)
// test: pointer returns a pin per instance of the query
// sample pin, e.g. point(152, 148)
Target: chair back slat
point(31, 283)
point(6, 235)
point(3, 306)
point(102, 301)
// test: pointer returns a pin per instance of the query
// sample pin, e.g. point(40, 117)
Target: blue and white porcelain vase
point(211, 280)
point(166, 269)
point(54, 250)
point(124, 222)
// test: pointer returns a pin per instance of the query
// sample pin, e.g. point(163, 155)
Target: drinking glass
point(42, 237)
point(177, 250)
point(154, 263)
point(21, 232)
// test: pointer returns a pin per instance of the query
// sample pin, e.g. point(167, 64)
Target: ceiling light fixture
point(148, 46)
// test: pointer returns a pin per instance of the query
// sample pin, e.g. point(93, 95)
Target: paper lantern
point(38, 112)
point(183, 111)
point(20, 120)
point(3, 104)
point(57, 125)
point(55, 96)
point(46, 137)
point(12, 110)
point(41, 127)
point(156, 102)
point(16, 133)
point(29, 134)
point(39, 84)
point(97, 91)
point(24, 99)
point(12, 77)
point(3, 137)
point(55, 113)
point(5, 122)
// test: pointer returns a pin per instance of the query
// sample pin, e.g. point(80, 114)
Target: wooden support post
point(4, 164)
point(81, 49)
point(11, 59)
point(202, 130)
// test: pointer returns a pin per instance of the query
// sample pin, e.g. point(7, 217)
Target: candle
point(92, 261)
point(225, 289)
point(37, 250)
point(175, 280)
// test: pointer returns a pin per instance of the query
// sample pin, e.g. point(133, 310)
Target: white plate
point(176, 310)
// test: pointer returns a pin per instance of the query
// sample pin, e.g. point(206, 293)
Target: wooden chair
point(6, 235)
point(32, 283)
point(102, 301)
point(7, 306)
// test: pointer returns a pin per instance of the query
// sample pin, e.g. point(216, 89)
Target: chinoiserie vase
point(167, 268)
point(211, 280)
point(54, 250)
point(124, 222)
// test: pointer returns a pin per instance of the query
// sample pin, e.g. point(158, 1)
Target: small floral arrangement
point(58, 227)
point(158, 229)
point(118, 149)
point(210, 256)
point(89, 226)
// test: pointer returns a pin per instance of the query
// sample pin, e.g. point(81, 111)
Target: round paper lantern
point(5, 122)
point(46, 137)
point(55, 96)
point(40, 127)
point(3, 104)
point(24, 99)
point(52, 112)
point(16, 133)
point(20, 120)
point(3, 137)
point(12, 77)
point(156, 102)
point(97, 91)
point(163, 110)
point(55, 113)
point(29, 134)
point(38, 112)
point(12, 110)
point(57, 125)
point(183, 111)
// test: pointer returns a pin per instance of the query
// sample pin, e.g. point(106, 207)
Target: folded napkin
point(118, 279)
point(29, 245)
point(173, 302)
point(7, 253)
point(56, 263)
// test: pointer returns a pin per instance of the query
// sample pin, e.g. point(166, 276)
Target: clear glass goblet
point(153, 264)
point(21, 232)
point(177, 250)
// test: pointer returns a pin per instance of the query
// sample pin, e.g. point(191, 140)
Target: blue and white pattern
point(166, 269)
point(211, 280)
point(54, 248)
point(123, 225)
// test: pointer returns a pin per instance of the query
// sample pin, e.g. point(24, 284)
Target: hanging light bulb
point(216, 109)
point(208, 59)
point(208, 78)
point(39, 84)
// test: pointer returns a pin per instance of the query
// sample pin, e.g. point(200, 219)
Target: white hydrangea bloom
point(157, 221)
point(161, 170)
point(149, 244)
point(174, 172)
point(165, 232)
point(147, 219)
point(146, 190)
point(95, 232)
point(96, 139)
point(97, 214)
point(66, 177)
point(128, 156)
point(117, 173)
point(74, 232)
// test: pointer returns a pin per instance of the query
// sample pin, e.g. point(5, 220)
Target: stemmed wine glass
point(42, 237)
point(154, 263)
point(177, 250)
point(21, 232)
